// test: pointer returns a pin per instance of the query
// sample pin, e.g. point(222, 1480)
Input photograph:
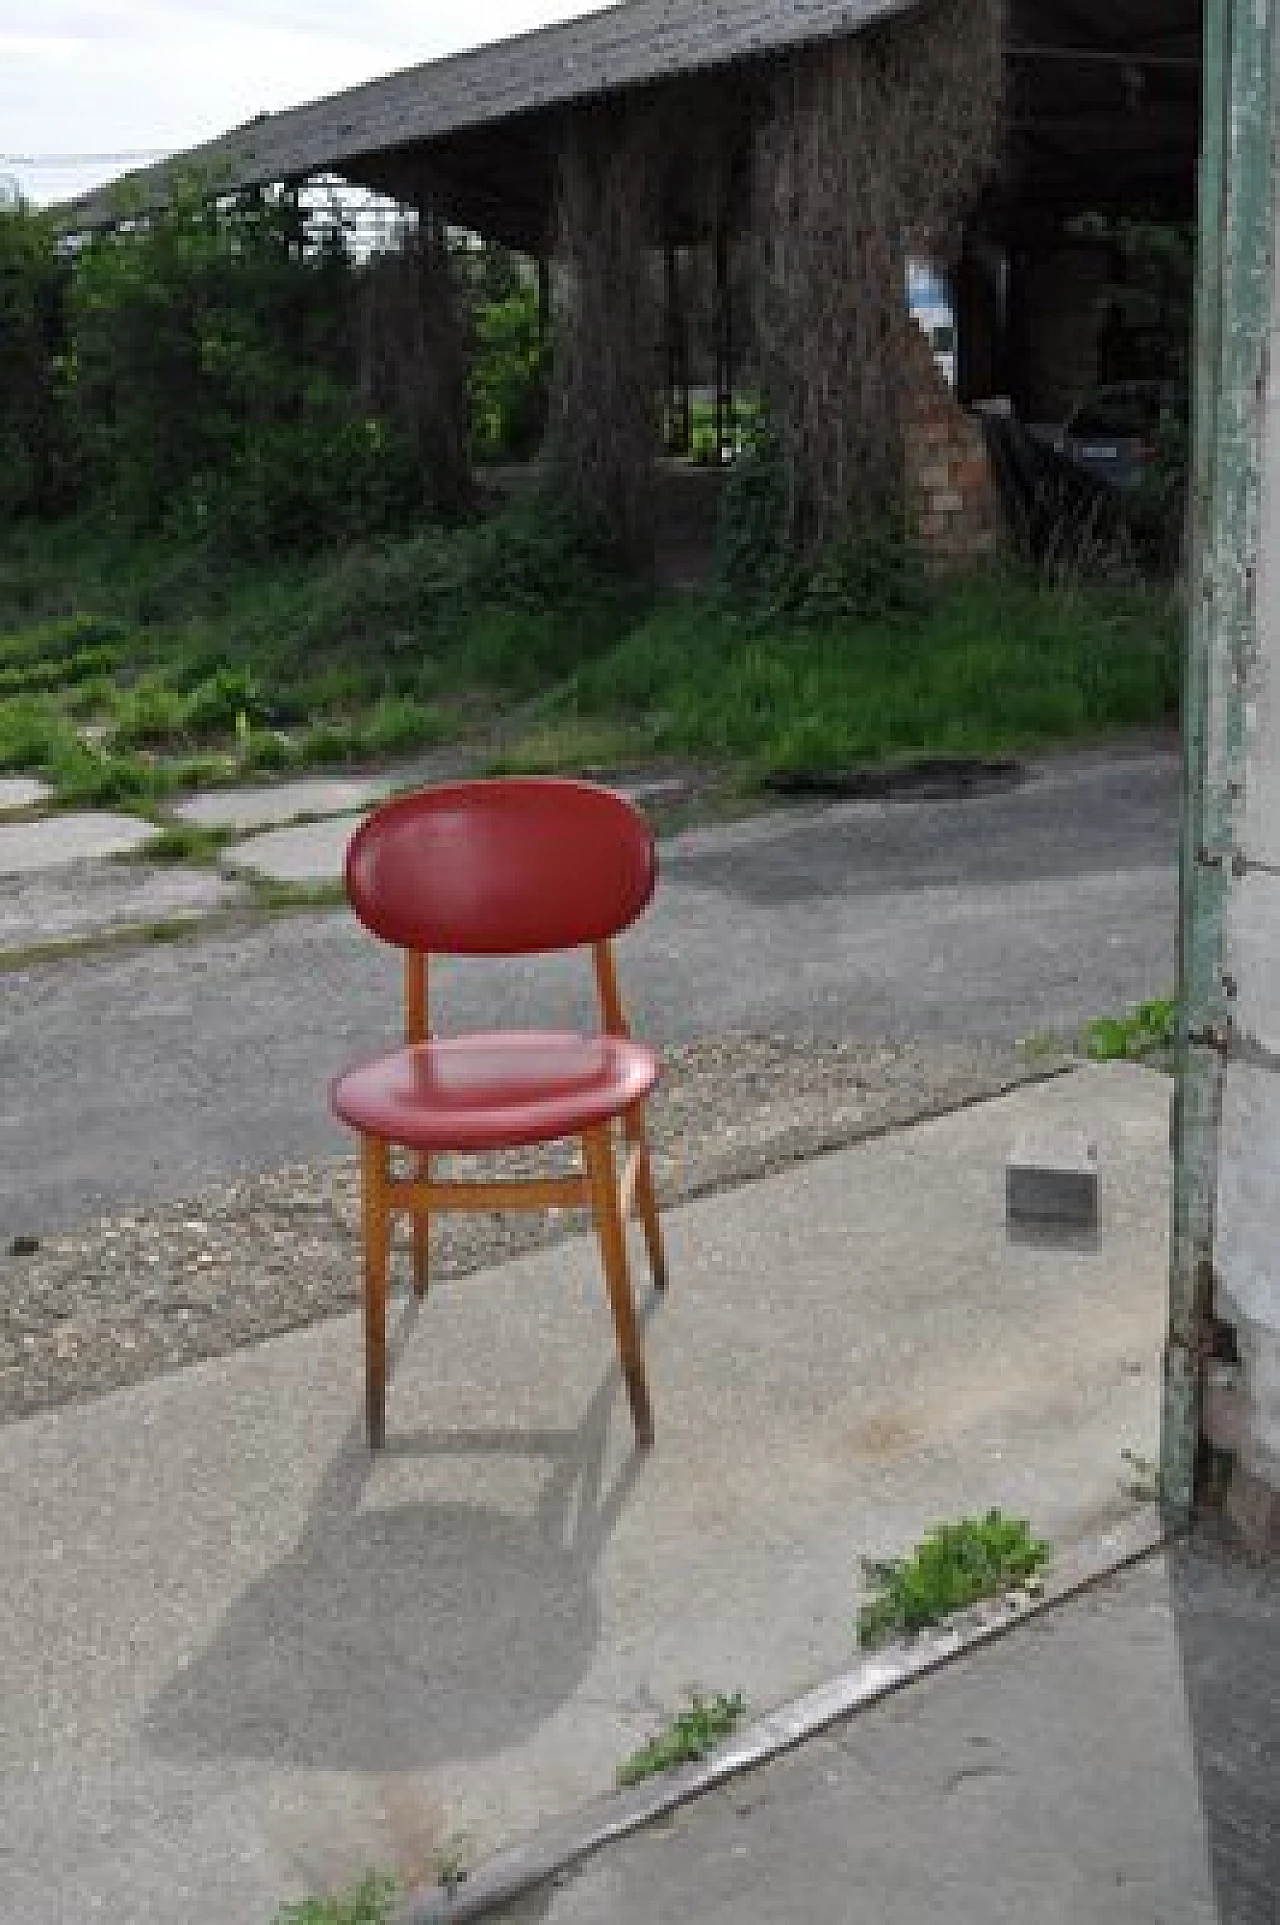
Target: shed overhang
point(1104, 110)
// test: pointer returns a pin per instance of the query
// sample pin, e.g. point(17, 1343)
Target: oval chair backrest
point(501, 868)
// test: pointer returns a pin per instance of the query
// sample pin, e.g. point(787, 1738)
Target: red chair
point(503, 868)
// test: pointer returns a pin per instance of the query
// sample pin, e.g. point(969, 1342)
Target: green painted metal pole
point(1233, 317)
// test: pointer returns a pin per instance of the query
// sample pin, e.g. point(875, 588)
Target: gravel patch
point(152, 1290)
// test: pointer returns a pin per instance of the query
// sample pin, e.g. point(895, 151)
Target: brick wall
point(952, 504)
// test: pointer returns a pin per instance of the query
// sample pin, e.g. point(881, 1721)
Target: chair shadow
point(399, 1638)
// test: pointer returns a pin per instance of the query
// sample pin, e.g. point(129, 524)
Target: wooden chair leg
point(598, 1150)
point(421, 1235)
point(375, 1157)
point(646, 1198)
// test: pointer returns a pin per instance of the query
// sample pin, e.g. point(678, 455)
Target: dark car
point(1115, 432)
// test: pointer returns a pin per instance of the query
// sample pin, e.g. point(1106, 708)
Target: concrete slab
point(1114, 1760)
point(244, 1661)
point(314, 852)
point(91, 899)
point(50, 842)
point(274, 804)
point(306, 852)
point(277, 803)
point(22, 792)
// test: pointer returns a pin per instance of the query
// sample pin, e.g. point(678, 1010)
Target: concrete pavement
point(1113, 1762)
point(242, 1662)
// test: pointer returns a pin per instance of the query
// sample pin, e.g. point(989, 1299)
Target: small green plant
point(398, 723)
point(691, 1735)
point(951, 1568)
point(1146, 1030)
point(509, 377)
point(1143, 1484)
point(329, 745)
point(267, 752)
point(151, 715)
point(450, 1863)
point(228, 702)
point(368, 1903)
point(182, 842)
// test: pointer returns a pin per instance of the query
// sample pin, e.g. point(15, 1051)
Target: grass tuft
point(368, 1903)
point(691, 1735)
point(1148, 1030)
point(953, 1567)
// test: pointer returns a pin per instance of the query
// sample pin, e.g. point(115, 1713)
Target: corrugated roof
point(620, 47)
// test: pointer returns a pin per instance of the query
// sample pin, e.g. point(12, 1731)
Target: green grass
point(369, 1903)
point(1149, 1030)
point(995, 664)
point(130, 672)
point(127, 671)
point(182, 842)
point(691, 1735)
point(953, 1567)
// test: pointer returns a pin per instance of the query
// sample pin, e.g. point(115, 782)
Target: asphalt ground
point(136, 1074)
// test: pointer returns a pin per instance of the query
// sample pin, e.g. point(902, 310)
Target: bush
point(509, 378)
point(227, 701)
point(398, 723)
point(36, 458)
point(150, 715)
point(214, 383)
point(870, 573)
point(752, 562)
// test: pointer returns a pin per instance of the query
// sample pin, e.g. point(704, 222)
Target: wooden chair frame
point(609, 1193)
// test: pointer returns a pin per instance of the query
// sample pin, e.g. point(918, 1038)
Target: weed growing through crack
point(451, 1863)
point(691, 1735)
point(1143, 1483)
point(954, 1566)
point(1148, 1030)
point(368, 1903)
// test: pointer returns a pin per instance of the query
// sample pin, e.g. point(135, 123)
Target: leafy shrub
point(213, 382)
point(399, 723)
point(268, 752)
point(752, 562)
point(150, 715)
point(36, 455)
point(64, 650)
point(230, 699)
point(539, 555)
point(30, 731)
point(509, 378)
point(870, 573)
point(328, 745)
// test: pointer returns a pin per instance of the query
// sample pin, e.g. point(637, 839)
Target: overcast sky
point(83, 79)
